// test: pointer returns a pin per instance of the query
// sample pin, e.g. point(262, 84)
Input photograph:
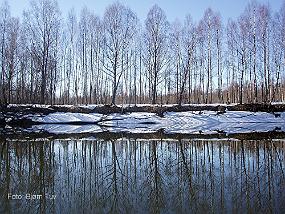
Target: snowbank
point(60, 117)
point(229, 122)
point(196, 122)
point(64, 128)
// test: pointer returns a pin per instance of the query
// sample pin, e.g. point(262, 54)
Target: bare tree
point(4, 19)
point(43, 22)
point(242, 49)
point(278, 50)
point(263, 33)
point(208, 25)
point(231, 61)
point(183, 42)
point(156, 46)
point(175, 43)
point(252, 13)
point(219, 65)
point(120, 27)
point(189, 51)
point(71, 26)
point(11, 55)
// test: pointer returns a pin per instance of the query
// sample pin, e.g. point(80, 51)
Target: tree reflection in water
point(140, 176)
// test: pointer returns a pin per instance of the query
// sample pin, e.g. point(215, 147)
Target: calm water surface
point(142, 176)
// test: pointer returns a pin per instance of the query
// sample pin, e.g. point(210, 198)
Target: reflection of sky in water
point(123, 175)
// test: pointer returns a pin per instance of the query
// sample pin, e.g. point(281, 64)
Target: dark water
point(142, 176)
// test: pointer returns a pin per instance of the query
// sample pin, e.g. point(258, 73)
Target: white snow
point(64, 128)
point(138, 122)
point(191, 122)
point(229, 122)
point(29, 105)
point(91, 106)
point(60, 117)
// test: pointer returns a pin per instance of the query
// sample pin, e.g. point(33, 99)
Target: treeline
point(117, 59)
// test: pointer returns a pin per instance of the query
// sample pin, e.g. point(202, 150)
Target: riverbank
point(24, 135)
point(143, 119)
point(16, 115)
point(157, 109)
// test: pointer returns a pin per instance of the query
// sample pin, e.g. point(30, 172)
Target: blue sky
point(173, 8)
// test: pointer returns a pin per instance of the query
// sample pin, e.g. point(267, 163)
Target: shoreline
point(159, 135)
point(156, 108)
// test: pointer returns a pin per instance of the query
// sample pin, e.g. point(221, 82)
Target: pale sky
point(173, 8)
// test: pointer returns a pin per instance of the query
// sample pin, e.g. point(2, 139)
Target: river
point(131, 175)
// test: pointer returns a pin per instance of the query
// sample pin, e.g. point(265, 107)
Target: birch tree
point(119, 30)
point(156, 47)
point(43, 21)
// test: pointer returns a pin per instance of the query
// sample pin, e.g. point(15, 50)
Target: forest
point(118, 59)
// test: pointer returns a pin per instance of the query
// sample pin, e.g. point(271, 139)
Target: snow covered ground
point(66, 128)
point(68, 117)
point(194, 122)
point(230, 122)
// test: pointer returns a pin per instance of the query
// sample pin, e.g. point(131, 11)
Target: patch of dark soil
point(32, 109)
point(71, 109)
point(160, 110)
point(24, 110)
point(107, 109)
point(275, 134)
point(182, 108)
point(2, 120)
point(148, 123)
point(21, 122)
point(258, 107)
